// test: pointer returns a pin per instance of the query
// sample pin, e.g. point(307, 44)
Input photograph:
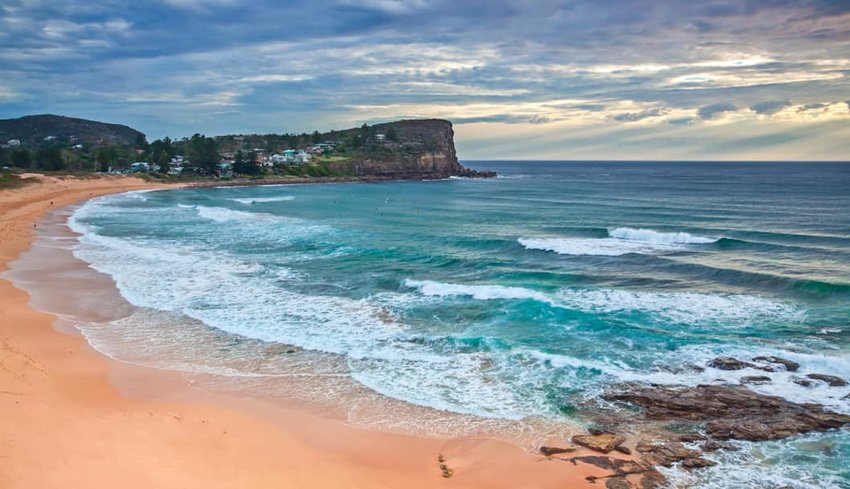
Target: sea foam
point(620, 241)
point(262, 200)
point(726, 310)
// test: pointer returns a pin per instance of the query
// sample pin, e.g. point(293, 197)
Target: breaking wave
point(620, 241)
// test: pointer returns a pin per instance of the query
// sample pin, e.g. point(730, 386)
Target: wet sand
point(73, 417)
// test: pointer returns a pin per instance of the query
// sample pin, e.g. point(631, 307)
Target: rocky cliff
point(33, 130)
point(408, 149)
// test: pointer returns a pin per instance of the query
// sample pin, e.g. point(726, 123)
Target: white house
point(14, 142)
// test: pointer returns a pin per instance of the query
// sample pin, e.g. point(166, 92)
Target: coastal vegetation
point(405, 149)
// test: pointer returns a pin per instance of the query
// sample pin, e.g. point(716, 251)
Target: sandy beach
point(66, 423)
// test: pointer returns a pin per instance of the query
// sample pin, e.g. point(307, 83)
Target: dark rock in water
point(618, 483)
point(697, 463)
point(755, 379)
point(789, 365)
point(623, 450)
point(731, 412)
point(549, 451)
point(666, 453)
point(619, 467)
point(713, 446)
point(603, 442)
point(690, 438)
point(803, 382)
point(832, 380)
point(729, 363)
point(652, 479)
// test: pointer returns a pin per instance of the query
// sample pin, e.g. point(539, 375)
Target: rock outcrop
point(730, 412)
point(418, 149)
point(602, 442)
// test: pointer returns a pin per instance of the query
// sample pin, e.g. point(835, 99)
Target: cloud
point(713, 110)
point(770, 107)
point(610, 71)
point(638, 116)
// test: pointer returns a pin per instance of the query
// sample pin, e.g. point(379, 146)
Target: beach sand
point(66, 423)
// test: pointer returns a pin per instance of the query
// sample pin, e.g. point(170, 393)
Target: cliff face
point(409, 149)
point(32, 130)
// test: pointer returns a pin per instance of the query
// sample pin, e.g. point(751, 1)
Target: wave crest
point(620, 241)
point(262, 200)
point(651, 236)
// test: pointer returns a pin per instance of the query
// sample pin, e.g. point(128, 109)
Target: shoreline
point(57, 391)
point(292, 180)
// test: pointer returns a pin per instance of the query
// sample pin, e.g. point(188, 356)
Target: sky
point(520, 79)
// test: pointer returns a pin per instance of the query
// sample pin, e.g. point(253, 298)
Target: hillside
point(407, 149)
point(33, 130)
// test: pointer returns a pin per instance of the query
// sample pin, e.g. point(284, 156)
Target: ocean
point(514, 301)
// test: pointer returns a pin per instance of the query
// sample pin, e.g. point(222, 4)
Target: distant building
point(225, 170)
point(49, 138)
point(380, 137)
point(14, 142)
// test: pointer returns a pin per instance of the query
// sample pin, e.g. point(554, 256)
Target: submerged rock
point(755, 379)
point(616, 465)
point(667, 453)
point(731, 412)
point(832, 380)
point(789, 365)
point(713, 446)
point(729, 363)
point(602, 442)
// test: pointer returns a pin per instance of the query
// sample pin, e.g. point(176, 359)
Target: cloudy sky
point(521, 79)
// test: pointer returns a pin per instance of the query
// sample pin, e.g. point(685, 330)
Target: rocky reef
point(678, 425)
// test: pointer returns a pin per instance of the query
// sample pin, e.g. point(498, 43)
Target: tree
point(141, 141)
point(21, 158)
point(50, 158)
point(392, 135)
point(203, 152)
point(105, 156)
point(158, 154)
point(246, 165)
point(316, 137)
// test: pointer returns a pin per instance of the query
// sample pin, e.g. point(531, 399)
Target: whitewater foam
point(651, 236)
point(479, 292)
point(620, 241)
point(262, 200)
point(676, 307)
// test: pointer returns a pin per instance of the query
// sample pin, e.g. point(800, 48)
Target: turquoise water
point(521, 296)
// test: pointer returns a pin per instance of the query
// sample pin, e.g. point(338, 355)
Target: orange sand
point(63, 424)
